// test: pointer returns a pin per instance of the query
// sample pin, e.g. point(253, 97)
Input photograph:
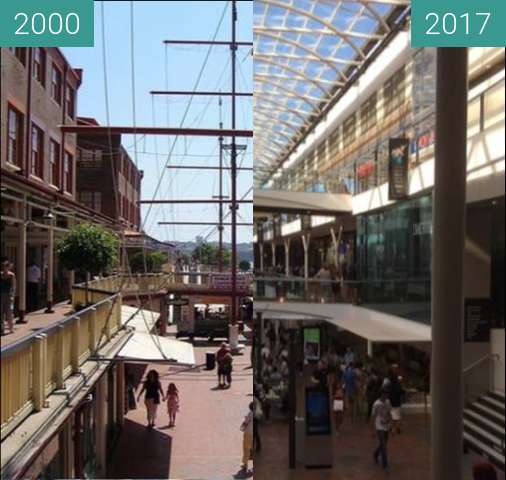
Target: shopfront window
point(394, 258)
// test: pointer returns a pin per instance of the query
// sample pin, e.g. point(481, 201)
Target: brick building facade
point(107, 179)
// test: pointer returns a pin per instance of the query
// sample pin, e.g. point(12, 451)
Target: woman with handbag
point(153, 389)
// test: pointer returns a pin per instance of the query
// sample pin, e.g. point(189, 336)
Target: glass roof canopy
point(305, 53)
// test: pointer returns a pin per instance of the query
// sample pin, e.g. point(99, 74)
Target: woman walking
point(8, 292)
point(153, 389)
point(172, 399)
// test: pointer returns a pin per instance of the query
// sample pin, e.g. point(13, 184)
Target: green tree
point(88, 249)
point(154, 262)
point(208, 254)
point(244, 266)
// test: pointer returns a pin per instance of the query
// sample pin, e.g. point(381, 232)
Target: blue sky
point(177, 67)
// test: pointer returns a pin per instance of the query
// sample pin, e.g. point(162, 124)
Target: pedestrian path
point(409, 454)
point(206, 443)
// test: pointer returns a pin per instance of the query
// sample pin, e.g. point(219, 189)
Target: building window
point(14, 136)
point(349, 130)
point(368, 113)
point(493, 105)
point(68, 171)
point(54, 163)
point(39, 65)
point(37, 166)
point(19, 53)
point(70, 102)
point(56, 84)
point(91, 200)
point(394, 92)
point(87, 158)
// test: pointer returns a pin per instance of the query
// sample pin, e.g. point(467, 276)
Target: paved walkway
point(36, 321)
point(206, 442)
point(409, 455)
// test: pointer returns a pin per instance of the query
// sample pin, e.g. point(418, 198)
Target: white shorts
point(396, 414)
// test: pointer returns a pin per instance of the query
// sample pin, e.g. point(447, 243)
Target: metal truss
point(305, 52)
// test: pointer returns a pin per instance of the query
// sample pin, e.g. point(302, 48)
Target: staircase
point(484, 428)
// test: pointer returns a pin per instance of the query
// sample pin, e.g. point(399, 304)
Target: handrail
point(490, 356)
point(292, 279)
point(13, 347)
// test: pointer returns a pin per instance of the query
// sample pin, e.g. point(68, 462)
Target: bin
point(210, 360)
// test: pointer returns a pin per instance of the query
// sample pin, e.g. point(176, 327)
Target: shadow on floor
point(141, 453)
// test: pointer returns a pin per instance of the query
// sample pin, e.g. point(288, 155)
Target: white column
point(287, 257)
point(273, 253)
point(305, 243)
point(370, 349)
point(261, 250)
point(50, 267)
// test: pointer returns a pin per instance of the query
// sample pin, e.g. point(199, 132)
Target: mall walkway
point(409, 452)
point(206, 442)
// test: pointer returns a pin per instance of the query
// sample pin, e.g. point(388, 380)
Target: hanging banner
point(398, 165)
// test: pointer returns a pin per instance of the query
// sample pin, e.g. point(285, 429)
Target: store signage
point(398, 165)
point(317, 411)
point(311, 343)
point(223, 281)
point(478, 320)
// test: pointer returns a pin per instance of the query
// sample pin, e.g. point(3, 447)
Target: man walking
point(33, 276)
point(381, 421)
point(220, 360)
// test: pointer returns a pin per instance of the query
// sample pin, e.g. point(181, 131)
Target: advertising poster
point(312, 344)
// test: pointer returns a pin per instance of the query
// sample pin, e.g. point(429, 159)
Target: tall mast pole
point(233, 165)
point(220, 227)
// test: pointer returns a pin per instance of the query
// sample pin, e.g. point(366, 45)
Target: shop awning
point(369, 324)
point(146, 346)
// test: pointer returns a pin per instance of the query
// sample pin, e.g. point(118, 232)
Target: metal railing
point(478, 377)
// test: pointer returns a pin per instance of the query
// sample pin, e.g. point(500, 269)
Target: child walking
point(172, 398)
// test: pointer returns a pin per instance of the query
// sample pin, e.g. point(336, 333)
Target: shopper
point(227, 368)
point(33, 276)
point(372, 391)
point(338, 407)
point(172, 399)
point(247, 445)
point(350, 383)
point(8, 292)
point(484, 471)
point(220, 361)
point(396, 396)
point(153, 389)
point(381, 420)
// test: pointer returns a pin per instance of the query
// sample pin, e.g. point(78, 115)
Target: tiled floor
point(409, 455)
point(36, 321)
point(206, 442)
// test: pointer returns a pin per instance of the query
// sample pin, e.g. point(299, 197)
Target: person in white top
point(382, 422)
point(33, 277)
point(247, 445)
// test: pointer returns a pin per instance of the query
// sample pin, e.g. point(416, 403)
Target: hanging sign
point(398, 164)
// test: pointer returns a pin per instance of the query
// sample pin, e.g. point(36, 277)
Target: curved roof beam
point(298, 45)
point(267, 59)
point(318, 19)
point(287, 91)
point(298, 113)
point(309, 58)
point(264, 114)
point(326, 31)
point(269, 110)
